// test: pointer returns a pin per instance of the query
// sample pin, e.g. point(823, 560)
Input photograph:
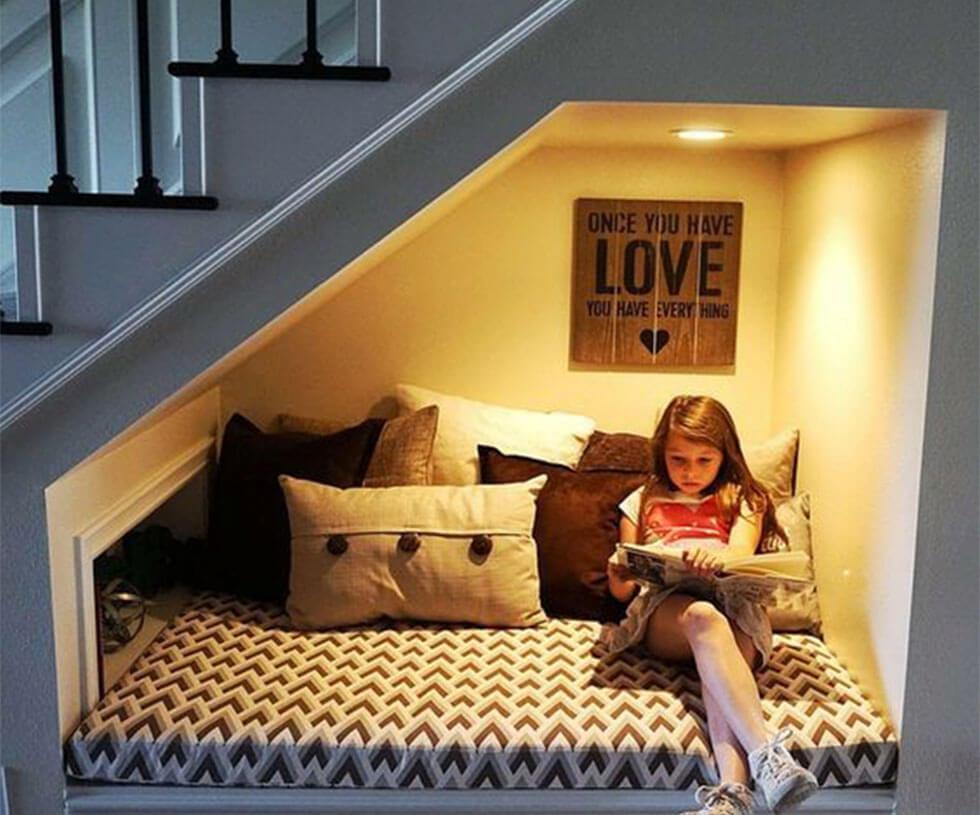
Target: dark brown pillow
point(576, 528)
point(773, 462)
point(249, 524)
point(616, 452)
point(403, 455)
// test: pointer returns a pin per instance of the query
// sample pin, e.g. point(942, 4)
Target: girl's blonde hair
point(703, 419)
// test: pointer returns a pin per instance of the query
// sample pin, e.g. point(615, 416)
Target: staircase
point(254, 142)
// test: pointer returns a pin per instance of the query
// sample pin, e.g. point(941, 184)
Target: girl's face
point(691, 465)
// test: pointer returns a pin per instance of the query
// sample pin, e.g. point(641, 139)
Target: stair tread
point(260, 70)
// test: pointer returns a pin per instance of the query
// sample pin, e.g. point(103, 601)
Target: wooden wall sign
point(655, 282)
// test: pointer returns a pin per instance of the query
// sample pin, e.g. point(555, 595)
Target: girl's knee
point(701, 616)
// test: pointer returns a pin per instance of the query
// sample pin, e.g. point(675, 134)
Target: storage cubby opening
point(145, 578)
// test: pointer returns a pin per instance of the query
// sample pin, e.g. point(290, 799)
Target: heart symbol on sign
point(654, 341)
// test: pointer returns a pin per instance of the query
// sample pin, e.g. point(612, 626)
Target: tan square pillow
point(773, 462)
point(796, 611)
point(446, 554)
point(403, 454)
point(557, 438)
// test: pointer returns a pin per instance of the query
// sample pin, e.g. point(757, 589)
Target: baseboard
point(106, 798)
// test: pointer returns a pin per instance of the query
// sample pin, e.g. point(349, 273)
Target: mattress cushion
point(228, 694)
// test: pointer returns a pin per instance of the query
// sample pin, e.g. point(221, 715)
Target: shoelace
point(776, 761)
point(730, 795)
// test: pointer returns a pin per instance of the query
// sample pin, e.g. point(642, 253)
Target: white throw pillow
point(445, 554)
point(557, 438)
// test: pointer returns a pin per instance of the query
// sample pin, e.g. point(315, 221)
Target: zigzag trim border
point(389, 767)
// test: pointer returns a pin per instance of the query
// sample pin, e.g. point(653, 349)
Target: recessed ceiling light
point(701, 133)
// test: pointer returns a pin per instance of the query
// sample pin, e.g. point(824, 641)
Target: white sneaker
point(783, 782)
point(725, 799)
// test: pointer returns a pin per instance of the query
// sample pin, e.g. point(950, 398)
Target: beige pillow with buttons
point(443, 554)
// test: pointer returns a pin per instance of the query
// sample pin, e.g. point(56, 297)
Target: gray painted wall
point(837, 52)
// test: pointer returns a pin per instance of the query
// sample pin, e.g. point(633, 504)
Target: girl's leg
point(665, 638)
point(730, 758)
point(729, 688)
point(683, 627)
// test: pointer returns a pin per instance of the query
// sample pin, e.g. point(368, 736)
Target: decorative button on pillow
point(444, 554)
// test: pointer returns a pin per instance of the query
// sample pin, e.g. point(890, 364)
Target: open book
point(758, 574)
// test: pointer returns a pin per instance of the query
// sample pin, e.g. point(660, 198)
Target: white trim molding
point(27, 264)
point(4, 796)
point(121, 517)
point(212, 261)
point(367, 24)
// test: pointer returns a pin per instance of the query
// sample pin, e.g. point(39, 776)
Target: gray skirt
point(740, 606)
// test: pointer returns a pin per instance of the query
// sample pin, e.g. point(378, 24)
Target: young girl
point(701, 498)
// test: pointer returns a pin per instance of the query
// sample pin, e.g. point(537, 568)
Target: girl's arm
point(742, 542)
point(620, 585)
point(744, 537)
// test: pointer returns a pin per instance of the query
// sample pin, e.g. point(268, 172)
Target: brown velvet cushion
point(576, 528)
point(249, 525)
point(619, 452)
point(772, 461)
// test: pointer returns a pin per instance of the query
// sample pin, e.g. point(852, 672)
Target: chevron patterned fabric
point(229, 695)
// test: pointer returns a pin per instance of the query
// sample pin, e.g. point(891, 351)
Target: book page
point(664, 565)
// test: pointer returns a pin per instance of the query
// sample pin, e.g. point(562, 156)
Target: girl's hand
point(702, 562)
point(621, 584)
point(621, 573)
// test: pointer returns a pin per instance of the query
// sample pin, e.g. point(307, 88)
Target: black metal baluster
point(61, 181)
point(226, 55)
point(311, 66)
point(62, 190)
point(147, 185)
point(312, 58)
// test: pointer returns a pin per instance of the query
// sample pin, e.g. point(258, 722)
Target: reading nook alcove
point(472, 298)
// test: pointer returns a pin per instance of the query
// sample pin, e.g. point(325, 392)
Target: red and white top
point(679, 520)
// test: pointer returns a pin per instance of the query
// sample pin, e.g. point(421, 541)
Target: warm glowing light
point(701, 133)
